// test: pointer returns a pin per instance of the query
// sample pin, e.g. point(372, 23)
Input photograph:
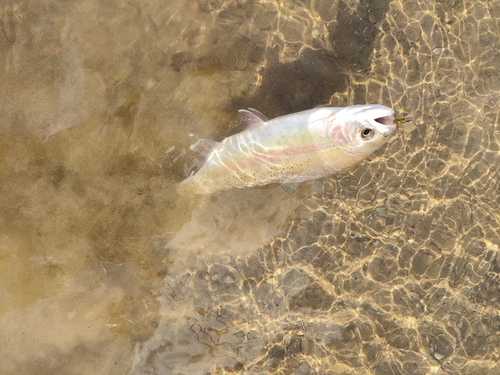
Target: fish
point(290, 149)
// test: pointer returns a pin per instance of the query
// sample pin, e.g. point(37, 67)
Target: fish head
point(363, 129)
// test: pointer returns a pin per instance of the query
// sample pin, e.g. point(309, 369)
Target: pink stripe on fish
point(277, 156)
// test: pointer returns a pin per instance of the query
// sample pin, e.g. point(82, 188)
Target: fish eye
point(367, 134)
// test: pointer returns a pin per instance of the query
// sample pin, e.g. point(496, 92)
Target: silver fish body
point(293, 148)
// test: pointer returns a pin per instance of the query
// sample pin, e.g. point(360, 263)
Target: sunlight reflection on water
point(390, 267)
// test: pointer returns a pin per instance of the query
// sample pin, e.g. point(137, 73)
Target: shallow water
point(390, 268)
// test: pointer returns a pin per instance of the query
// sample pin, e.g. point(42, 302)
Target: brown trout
point(292, 148)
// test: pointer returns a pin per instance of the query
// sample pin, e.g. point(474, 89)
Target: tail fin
point(188, 187)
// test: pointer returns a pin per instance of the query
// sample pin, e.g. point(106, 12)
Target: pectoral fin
point(326, 126)
point(320, 126)
point(290, 187)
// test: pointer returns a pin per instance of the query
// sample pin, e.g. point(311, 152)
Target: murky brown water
point(390, 268)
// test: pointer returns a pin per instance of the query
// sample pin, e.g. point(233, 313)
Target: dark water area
point(391, 267)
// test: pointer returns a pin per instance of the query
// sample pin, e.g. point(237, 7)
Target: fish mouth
point(383, 120)
point(382, 114)
point(386, 120)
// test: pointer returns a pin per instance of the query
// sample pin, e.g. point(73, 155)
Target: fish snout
point(388, 130)
point(384, 121)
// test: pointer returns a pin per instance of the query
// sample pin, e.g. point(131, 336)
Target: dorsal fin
point(260, 115)
point(252, 118)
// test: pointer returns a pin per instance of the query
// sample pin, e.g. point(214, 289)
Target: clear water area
point(392, 267)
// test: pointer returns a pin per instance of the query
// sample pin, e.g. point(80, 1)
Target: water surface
point(391, 267)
